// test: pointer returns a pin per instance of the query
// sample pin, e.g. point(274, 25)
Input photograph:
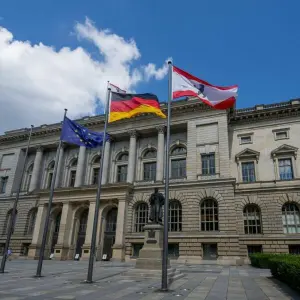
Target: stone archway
point(81, 232)
point(54, 229)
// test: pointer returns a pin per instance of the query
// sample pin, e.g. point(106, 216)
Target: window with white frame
point(291, 218)
point(178, 162)
point(28, 177)
point(3, 184)
point(140, 216)
point(175, 215)
point(247, 163)
point(49, 174)
point(72, 172)
point(122, 167)
point(208, 163)
point(285, 167)
point(95, 169)
point(284, 158)
point(248, 171)
point(209, 215)
point(252, 219)
point(149, 164)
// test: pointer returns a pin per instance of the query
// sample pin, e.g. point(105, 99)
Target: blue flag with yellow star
point(74, 133)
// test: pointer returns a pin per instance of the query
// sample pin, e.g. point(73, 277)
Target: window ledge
point(207, 177)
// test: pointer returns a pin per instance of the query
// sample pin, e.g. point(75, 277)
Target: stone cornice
point(265, 112)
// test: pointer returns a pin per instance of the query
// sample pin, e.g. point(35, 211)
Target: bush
point(287, 269)
point(262, 260)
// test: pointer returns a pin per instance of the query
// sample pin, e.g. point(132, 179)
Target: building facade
point(234, 185)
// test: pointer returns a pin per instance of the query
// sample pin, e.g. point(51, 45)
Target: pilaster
point(80, 167)
point(106, 161)
point(132, 156)
point(59, 167)
point(160, 153)
point(36, 169)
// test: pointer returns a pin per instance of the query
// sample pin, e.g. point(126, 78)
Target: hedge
point(285, 267)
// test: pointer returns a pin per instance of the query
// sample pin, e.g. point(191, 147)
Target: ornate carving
point(39, 148)
point(133, 133)
point(161, 129)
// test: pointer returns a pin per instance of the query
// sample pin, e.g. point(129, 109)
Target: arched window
point(209, 215)
point(149, 164)
point(291, 218)
point(55, 231)
point(29, 228)
point(95, 169)
point(7, 222)
point(72, 172)
point(111, 220)
point(178, 162)
point(175, 216)
point(49, 177)
point(83, 222)
point(141, 217)
point(122, 166)
point(28, 176)
point(252, 220)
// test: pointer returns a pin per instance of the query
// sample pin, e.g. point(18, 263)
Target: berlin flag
point(187, 85)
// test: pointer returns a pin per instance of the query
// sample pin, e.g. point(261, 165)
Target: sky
point(60, 54)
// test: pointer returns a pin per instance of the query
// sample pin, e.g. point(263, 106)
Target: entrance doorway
point(110, 232)
point(55, 231)
point(210, 251)
point(81, 231)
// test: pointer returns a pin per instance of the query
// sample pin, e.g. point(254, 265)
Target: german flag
point(125, 106)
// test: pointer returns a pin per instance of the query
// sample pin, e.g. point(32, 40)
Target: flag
point(185, 84)
point(124, 106)
point(76, 134)
point(116, 89)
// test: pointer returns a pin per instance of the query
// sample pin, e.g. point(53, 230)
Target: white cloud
point(37, 81)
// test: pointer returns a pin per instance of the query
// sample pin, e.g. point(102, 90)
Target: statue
point(156, 200)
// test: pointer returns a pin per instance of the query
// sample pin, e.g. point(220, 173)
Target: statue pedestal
point(150, 256)
point(149, 263)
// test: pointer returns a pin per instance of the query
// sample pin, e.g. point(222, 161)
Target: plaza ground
point(64, 280)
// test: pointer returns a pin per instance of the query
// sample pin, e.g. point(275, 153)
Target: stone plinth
point(149, 263)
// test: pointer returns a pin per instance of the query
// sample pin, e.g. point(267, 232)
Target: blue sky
point(254, 44)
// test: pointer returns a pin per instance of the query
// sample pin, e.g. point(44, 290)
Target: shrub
point(261, 260)
point(287, 269)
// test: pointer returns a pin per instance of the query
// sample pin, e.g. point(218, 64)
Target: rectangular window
point(28, 182)
point(254, 249)
point(72, 178)
point(246, 139)
point(285, 169)
point(149, 171)
point(173, 250)
point(95, 175)
point(50, 176)
point(281, 135)
point(248, 172)
point(178, 168)
point(3, 184)
point(294, 249)
point(122, 173)
point(136, 249)
point(208, 164)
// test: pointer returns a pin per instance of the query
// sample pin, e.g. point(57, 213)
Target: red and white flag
point(116, 89)
point(185, 84)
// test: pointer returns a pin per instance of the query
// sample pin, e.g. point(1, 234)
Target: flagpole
point(164, 280)
point(13, 214)
point(97, 207)
point(46, 226)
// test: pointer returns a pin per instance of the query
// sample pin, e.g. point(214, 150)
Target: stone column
point(80, 167)
point(119, 246)
point(36, 169)
point(38, 232)
point(160, 153)
point(106, 162)
point(89, 231)
point(63, 241)
point(132, 156)
point(59, 167)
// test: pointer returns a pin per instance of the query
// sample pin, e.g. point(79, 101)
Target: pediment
point(284, 149)
point(247, 153)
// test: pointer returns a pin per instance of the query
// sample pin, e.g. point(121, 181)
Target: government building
point(234, 185)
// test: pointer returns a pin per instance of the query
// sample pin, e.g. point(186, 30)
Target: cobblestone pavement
point(64, 280)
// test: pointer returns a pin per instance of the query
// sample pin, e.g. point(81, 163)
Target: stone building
point(234, 184)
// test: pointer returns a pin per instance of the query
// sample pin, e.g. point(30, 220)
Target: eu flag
point(74, 133)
